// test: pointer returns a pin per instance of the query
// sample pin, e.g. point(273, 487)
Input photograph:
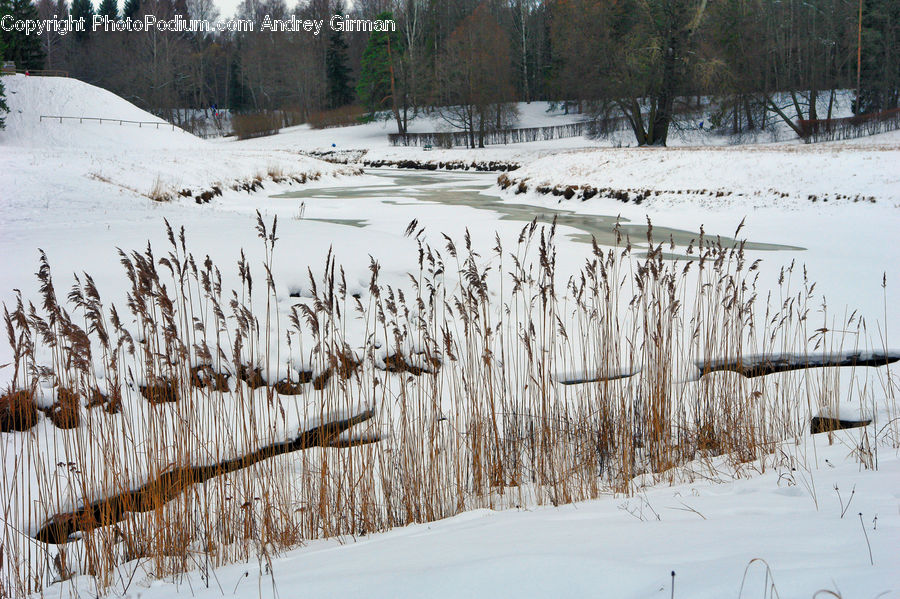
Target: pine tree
point(25, 50)
point(336, 69)
point(131, 9)
point(109, 9)
point(378, 85)
point(83, 9)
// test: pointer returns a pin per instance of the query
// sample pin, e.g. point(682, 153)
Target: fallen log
point(170, 484)
point(765, 364)
point(825, 424)
point(755, 365)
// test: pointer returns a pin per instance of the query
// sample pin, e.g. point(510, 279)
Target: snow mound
point(30, 98)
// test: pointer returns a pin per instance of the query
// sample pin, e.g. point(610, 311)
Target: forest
point(643, 62)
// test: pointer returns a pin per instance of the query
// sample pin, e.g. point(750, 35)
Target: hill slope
point(74, 166)
point(30, 98)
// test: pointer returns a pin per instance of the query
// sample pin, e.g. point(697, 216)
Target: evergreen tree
point(131, 9)
point(5, 9)
point(109, 9)
point(3, 107)
point(25, 50)
point(374, 84)
point(238, 94)
point(83, 9)
point(378, 86)
point(336, 69)
point(880, 75)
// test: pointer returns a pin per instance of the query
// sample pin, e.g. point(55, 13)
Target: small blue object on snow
point(333, 145)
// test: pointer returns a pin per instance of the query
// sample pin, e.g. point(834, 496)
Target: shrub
point(258, 124)
point(344, 116)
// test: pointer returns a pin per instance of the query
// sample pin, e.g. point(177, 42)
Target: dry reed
point(493, 384)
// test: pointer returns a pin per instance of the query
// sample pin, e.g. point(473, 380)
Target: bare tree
point(474, 76)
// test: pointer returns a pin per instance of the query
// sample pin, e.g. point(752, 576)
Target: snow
point(62, 162)
point(752, 177)
point(795, 526)
point(80, 190)
point(375, 133)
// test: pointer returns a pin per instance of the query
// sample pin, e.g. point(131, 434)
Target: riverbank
point(745, 177)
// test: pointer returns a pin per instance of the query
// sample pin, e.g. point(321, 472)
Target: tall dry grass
point(212, 428)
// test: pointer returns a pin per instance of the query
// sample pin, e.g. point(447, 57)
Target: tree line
point(644, 61)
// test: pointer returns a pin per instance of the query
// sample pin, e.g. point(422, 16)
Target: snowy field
point(814, 513)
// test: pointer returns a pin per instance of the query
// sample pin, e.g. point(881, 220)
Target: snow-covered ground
point(816, 522)
point(80, 190)
point(369, 142)
point(64, 166)
point(732, 178)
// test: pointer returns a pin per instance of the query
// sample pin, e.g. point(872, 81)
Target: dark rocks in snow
point(65, 413)
point(450, 165)
point(294, 387)
point(252, 376)
point(398, 363)
point(344, 365)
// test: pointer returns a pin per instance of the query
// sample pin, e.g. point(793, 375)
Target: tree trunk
point(481, 129)
point(401, 125)
point(735, 125)
point(783, 116)
point(665, 99)
point(633, 113)
point(813, 99)
point(748, 111)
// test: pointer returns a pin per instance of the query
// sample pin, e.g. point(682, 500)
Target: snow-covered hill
point(66, 166)
point(32, 99)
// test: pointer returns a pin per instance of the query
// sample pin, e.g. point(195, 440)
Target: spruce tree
point(880, 80)
point(5, 9)
point(109, 9)
point(25, 50)
point(238, 95)
point(336, 69)
point(131, 9)
point(83, 9)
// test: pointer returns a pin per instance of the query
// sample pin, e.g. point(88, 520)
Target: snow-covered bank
point(749, 177)
point(809, 522)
